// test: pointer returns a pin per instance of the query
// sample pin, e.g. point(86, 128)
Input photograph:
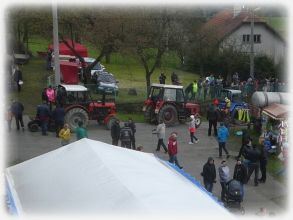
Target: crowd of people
point(211, 86)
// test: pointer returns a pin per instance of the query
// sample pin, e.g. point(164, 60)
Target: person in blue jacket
point(223, 135)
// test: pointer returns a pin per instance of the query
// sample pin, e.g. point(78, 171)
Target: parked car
point(97, 68)
point(106, 83)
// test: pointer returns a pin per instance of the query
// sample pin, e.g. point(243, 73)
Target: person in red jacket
point(172, 149)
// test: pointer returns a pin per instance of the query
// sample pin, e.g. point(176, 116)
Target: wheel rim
point(76, 118)
point(168, 115)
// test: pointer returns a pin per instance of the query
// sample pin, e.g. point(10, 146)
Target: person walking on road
point(224, 174)
point(80, 131)
point(192, 130)
point(240, 174)
point(223, 135)
point(17, 110)
point(161, 131)
point(115, 132)
point(209, 174)
point(126, 135)
point(173, 150)
point(133, 129)
point(212, 117)
point(65, 135)
point(43, 114)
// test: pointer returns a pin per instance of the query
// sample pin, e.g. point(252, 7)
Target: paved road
point(25, 145)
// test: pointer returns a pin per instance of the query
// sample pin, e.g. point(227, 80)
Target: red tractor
point(168, 103)
point(80, 107)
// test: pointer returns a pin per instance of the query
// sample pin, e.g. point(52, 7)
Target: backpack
point(125, 135)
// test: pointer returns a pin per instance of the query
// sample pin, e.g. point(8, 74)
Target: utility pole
point(56, 44)
point(252, 44)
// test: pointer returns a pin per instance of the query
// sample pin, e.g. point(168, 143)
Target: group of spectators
point(211, 86)
point(250, 160)
point(126, 134)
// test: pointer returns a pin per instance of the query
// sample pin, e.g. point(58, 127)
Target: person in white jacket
point(224, 174)
point(161, 132)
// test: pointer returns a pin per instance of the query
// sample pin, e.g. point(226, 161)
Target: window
point(256, 38)
point(170, 95)
point(245, 38)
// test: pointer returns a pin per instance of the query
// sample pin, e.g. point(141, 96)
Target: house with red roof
point(228, 29)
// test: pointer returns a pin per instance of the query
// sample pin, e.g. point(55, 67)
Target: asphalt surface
point(22, 146)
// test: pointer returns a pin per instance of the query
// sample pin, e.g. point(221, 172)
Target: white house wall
point(270, 44)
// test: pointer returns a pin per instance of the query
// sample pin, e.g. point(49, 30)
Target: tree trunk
point(108, 58)
point(148, 81)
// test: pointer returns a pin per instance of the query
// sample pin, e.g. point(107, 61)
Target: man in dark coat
point(44, 96)
point(58, 116)
point(174, 79)
point(245, 140)
point(253, 156)
point(133, 129)
point(209, 174)
point(126, 135)
point(115, 132)
point(240, 174)
point(263, 164)
point(43, 113)
point(17, 110)
point(162, 78)
point(212, 116)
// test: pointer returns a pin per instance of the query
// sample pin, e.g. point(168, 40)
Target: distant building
point(229, 29)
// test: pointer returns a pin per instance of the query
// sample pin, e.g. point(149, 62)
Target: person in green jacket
point(194, 90)
point(80, 131)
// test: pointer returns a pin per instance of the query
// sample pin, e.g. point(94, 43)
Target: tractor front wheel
point(197, 121)
point(168, 114)
point(33, 126)
point(74, 115)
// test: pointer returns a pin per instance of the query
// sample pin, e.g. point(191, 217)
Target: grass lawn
point(126, 69)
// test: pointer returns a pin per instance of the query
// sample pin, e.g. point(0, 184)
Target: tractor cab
point(160, 93)
point(75, 94)
point(167, 103)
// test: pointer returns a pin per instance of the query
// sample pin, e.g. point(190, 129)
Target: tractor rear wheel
point(149, 114)
point(168, 114)
point(74, 115)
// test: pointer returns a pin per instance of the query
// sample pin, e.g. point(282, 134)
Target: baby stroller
point(233, 196)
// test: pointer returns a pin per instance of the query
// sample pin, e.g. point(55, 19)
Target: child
point(172, 149)
point(65, 135)
point(192, 130)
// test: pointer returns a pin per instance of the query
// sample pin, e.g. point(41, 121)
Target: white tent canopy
point(89, 176)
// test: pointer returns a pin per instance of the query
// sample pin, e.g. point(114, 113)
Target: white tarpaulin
point(89, 176)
